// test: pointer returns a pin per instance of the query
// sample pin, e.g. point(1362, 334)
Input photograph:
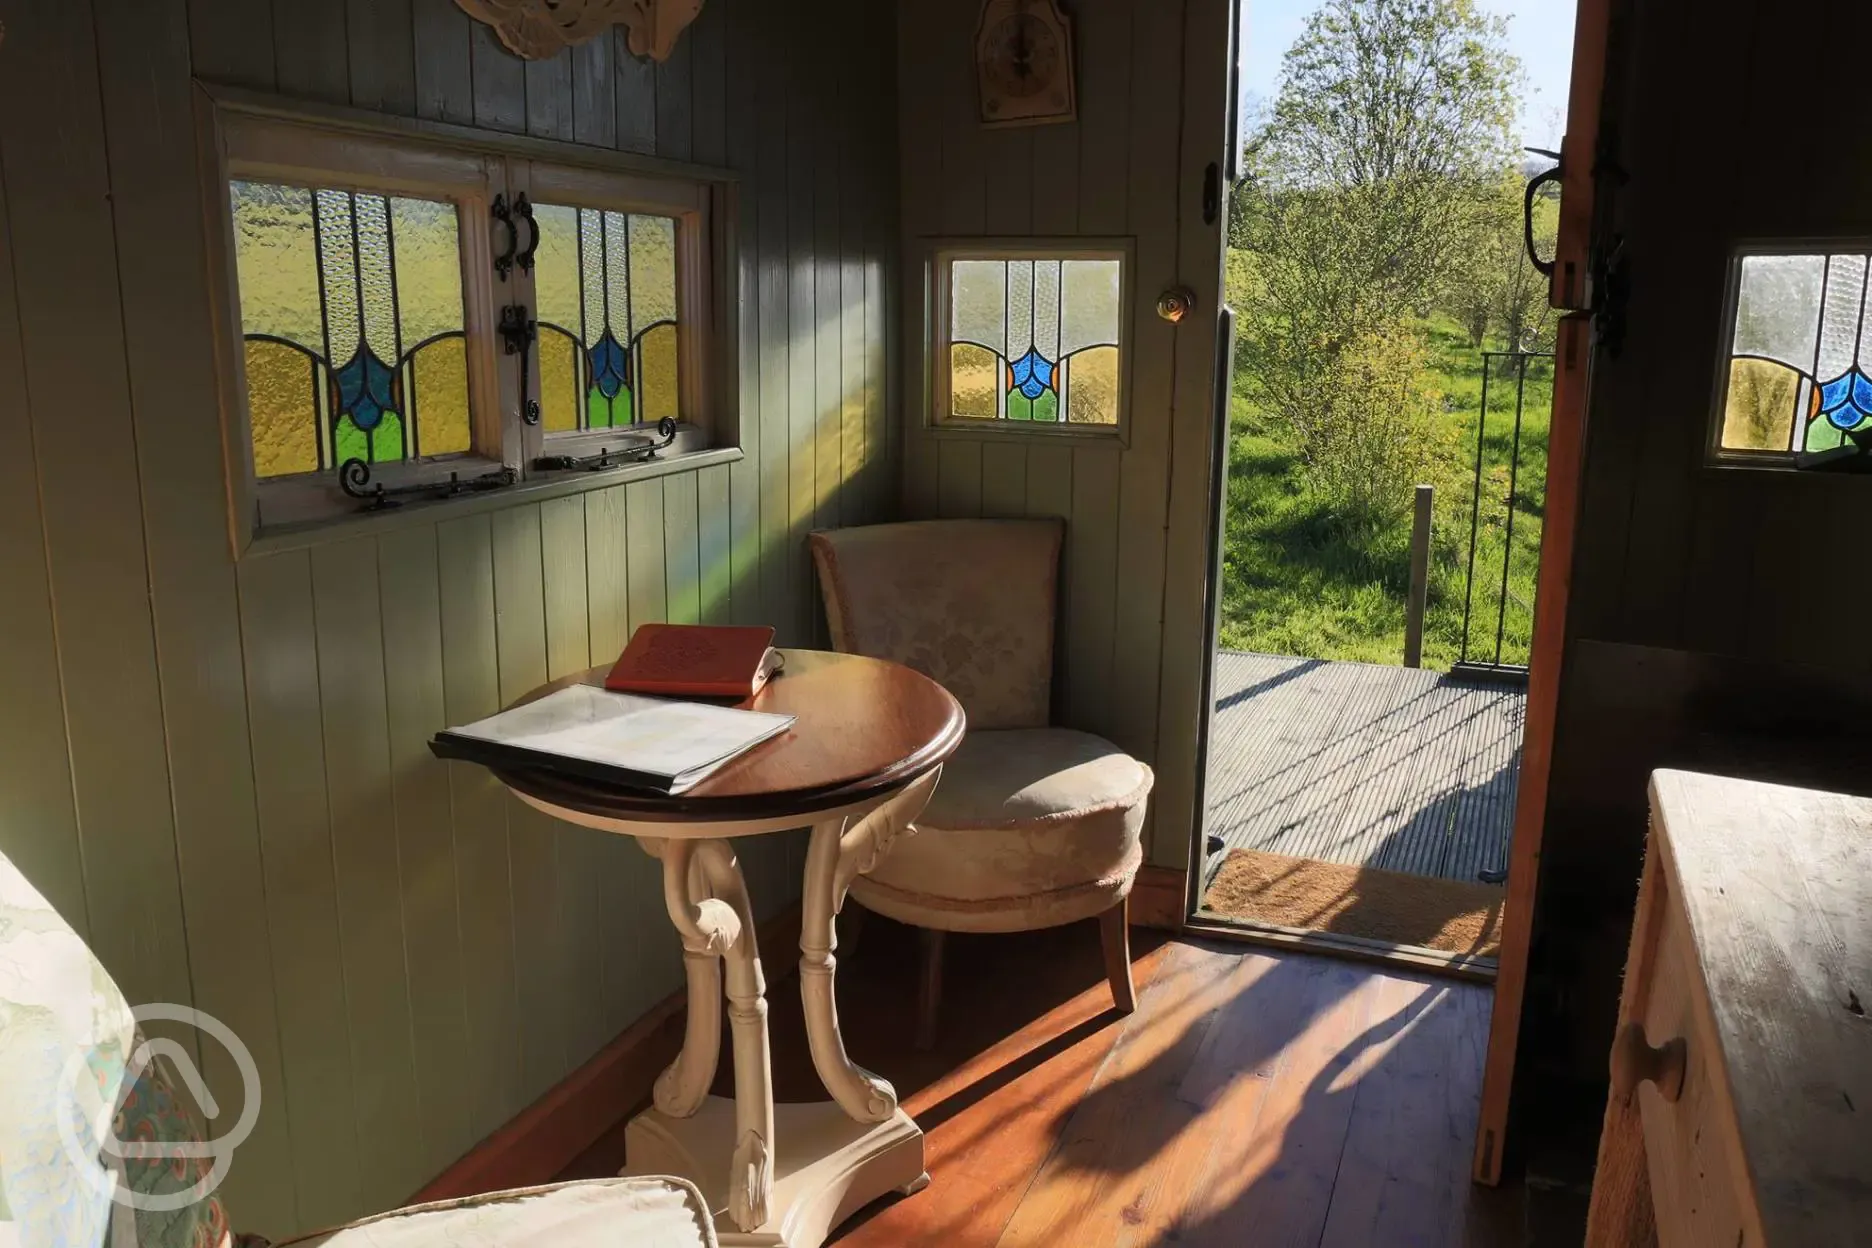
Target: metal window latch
point(519, 331)
point(354, 478)
point(503, 263)
point(641, 449)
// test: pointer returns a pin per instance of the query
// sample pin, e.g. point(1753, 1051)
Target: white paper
point(681, 741)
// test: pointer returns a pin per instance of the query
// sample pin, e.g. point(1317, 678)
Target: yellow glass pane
point(556, 275)
point(657, 387)
point(276, 262)
point(440, 370)
point(974, 379)
point(282, 401)
point(1758, 412)
point(652, 271)
point(428, 268)
point(1092, 387)
point(558, 381)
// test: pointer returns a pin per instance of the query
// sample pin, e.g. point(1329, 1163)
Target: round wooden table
point(858, 766)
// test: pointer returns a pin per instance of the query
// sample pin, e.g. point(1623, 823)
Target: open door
point(1577, 286)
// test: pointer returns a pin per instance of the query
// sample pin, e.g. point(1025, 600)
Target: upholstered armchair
point(1031, 826)
point(73, 1066)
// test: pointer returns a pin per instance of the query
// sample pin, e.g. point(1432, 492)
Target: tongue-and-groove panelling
point(217, 770)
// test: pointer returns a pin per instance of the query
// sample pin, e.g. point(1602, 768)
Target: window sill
point(1031, 433)
point(542, 488)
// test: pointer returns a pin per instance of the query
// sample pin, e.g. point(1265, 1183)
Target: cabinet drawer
point(1692, 1150)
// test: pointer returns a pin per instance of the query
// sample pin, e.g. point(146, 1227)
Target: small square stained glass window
point(607, 292)
point(351, 326)
point(1800, 354)
point(1032, 338)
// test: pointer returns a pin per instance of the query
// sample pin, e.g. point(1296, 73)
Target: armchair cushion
point(969, 603)
point(640, 1212)
point(1028, 827)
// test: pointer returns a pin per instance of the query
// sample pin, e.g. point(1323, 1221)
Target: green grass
point(1297, 580)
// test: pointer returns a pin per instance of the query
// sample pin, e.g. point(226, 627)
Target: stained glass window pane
point(1034, 339)
point(1800, 349)
point(351, 311)
point(606, 282)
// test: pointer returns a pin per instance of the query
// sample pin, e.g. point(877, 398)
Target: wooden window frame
point(940, 255)
point(250, 135)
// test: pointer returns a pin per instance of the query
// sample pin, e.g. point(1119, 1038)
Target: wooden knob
point(1636, 1060)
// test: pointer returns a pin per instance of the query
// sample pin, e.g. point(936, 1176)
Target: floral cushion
point(969, 603)
point(68, 1044)
point(66, 1034)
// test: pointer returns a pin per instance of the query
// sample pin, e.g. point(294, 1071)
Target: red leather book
point(696, 661)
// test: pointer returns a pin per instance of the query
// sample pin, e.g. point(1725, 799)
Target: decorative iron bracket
point(354, 478)
point(641, 452)
point(519, 331)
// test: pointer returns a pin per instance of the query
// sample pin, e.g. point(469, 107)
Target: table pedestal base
point(827, 1166)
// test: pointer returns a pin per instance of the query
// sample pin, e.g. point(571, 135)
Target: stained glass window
point(1800, 354)
point(1034, 340)
point(605, 283)
point(351, 318)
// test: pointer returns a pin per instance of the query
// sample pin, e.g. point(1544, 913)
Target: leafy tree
point(1369, 181)
point(1497, 291)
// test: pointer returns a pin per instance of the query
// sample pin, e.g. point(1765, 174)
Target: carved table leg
point(708, 903)
point(834, 858)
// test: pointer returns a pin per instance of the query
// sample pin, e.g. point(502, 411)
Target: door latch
point(519, 332)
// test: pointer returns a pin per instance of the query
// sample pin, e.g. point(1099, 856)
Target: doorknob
point(1176, 303)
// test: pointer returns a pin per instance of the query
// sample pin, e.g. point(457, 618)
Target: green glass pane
point(1046, 407)
point(597, 409)
point(1019, 406)
point(386, 439)
point(350, 442)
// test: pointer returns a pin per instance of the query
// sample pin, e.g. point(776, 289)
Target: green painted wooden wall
point(218, 770)
point(1152, 86)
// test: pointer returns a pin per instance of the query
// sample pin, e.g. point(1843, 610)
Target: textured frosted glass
point(1046, 308)
point(653, 272)
point(1775, 304)
point(656, 385)
point(974, 381)
point(338, 270)
point(592, 275)
point(978, 302)
point(282, 399)
point(276, 261)
point(1758, 414)
point(1089, 299)
point(1092, 387)
point(1839, 318)
point(556, 277)
point(376, 296)
point(1020, 302)
point(616, 240)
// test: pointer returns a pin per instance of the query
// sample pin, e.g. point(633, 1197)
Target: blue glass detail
point(610, 366)
point(366, 389)
point(1846, 401)
point(1033, 374)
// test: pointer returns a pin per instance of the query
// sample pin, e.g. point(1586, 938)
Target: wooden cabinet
point(1741, 1104)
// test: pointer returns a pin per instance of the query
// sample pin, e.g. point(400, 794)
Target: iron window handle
point(523, 208)
point(503, 263)
point(1544, 267)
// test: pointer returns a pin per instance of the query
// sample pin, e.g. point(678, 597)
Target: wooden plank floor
point(1389, 767)
point(1253, 1099)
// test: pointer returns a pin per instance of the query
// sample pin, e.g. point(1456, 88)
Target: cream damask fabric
point(969, 603)
point(595, 1213)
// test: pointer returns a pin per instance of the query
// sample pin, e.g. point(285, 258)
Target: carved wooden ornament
point(538, 29)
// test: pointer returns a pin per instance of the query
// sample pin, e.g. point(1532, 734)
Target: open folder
point(645, 743)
